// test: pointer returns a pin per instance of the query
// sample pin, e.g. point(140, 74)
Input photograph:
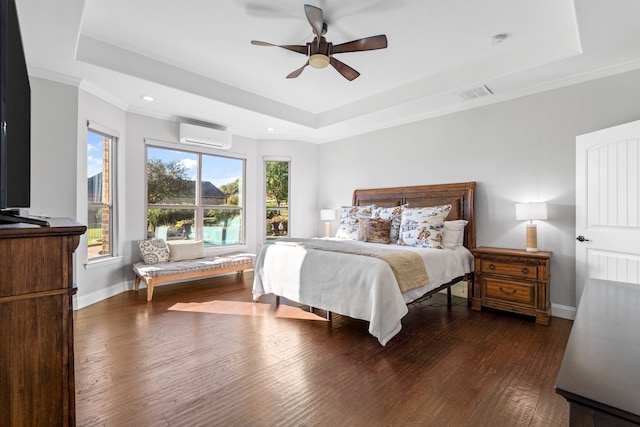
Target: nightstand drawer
point(509, 269)
point(516, 292)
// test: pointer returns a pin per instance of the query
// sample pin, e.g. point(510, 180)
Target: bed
point(369, 281)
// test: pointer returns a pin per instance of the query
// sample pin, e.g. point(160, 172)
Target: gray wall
point(518, 151)
point(54, 118)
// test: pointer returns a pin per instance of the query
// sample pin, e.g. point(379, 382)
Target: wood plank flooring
point(203, 354)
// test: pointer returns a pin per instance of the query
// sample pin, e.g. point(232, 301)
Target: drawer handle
point(525, 270)
point(492, 267)
point(507, 293)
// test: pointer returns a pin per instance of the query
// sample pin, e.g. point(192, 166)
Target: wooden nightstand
point(512, 280)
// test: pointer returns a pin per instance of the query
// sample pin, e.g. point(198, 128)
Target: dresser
point(36, 317)
point(600, 371)
point(512, 280)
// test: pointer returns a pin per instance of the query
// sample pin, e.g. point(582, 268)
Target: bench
point(189, 269)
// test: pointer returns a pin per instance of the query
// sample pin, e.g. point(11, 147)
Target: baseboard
point(563, 311)
point(82, 301)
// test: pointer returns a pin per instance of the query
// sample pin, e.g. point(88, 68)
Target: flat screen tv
point(15, 116)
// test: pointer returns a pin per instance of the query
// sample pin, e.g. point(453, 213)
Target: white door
point(607, 206)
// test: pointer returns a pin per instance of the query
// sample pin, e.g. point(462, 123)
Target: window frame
point(113, 137)
point(266, 159)
point(198, 207)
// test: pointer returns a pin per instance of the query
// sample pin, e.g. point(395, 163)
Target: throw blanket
point(407, 266)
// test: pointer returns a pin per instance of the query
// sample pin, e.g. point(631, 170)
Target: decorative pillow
point(349, 219)
point(395, 215)
point(453, 235)
point(423, 226)
point(186, 250)
point(153, 251)
point(375, 230)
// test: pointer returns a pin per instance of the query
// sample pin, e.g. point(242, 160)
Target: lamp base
point(327, 229)
point(532, 238)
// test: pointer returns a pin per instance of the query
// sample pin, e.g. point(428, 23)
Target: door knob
point(581, 238)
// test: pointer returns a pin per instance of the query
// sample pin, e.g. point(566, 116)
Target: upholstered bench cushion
point(193, 266)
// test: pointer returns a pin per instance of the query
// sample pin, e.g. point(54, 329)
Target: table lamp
point(327, 215)
point(529, 212)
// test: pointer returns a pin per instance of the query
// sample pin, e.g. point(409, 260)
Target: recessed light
point(147, 98)
point(271, 129)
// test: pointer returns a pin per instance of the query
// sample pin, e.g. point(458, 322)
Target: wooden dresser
point(600, 371)
point(512, 280)
point(36, 317)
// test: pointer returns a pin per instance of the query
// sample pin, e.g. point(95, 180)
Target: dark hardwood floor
point(203, 354)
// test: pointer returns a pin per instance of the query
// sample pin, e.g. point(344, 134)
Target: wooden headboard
point(459, 195)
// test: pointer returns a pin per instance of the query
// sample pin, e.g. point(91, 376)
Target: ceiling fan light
point(319, 60)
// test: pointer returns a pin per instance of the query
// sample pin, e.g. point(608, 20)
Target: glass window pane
point(171, 176)
point(221, 181)
point(170, 224)
point(277, 223)
point(222, 227)
point(99, 210)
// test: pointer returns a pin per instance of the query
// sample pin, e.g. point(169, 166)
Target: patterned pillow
point(423, 226)
point(395, 215)
point(349, 219)
point(375, 230)
point(154, 251)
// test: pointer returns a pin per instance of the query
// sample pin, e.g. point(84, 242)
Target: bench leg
point(149, 291)
point(136, 283)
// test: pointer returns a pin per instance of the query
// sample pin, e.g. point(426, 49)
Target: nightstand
point(512, 280)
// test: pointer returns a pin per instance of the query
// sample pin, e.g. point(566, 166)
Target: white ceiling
point(195, 58)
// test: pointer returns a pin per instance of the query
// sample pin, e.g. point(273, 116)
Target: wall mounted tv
point(15, 116)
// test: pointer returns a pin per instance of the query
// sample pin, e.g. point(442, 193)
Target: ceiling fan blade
point(292, 47)
point(346, 71)
point(297, 72)
point(367, 43)
point(316, 19)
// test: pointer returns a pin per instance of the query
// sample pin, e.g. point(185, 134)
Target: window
point(100, 183)
point(277, 198)
point(193, 195)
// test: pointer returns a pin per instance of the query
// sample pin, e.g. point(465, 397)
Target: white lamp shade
point(530, 211)
point(327, 214)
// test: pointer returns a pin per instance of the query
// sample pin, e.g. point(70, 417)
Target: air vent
point(474, 92)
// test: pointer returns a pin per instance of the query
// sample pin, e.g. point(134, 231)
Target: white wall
point(517, 151)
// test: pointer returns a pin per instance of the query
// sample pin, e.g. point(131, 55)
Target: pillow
point(375, 230)
point(423, 226)
point(395, 215)
point(349, 219)
point(453, 235)
point(186, 250)
point(153, 251)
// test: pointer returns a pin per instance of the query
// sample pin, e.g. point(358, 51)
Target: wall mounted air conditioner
point(205, 136)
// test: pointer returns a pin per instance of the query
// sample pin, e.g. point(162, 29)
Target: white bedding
point(357, 286)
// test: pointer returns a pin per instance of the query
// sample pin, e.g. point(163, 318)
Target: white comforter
point(357, 286)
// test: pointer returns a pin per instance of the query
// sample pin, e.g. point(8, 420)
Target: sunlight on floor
point(246, 309)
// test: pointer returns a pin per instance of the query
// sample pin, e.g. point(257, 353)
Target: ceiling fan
point(320, 52)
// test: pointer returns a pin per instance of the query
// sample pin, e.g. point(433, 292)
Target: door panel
point(607, 206)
